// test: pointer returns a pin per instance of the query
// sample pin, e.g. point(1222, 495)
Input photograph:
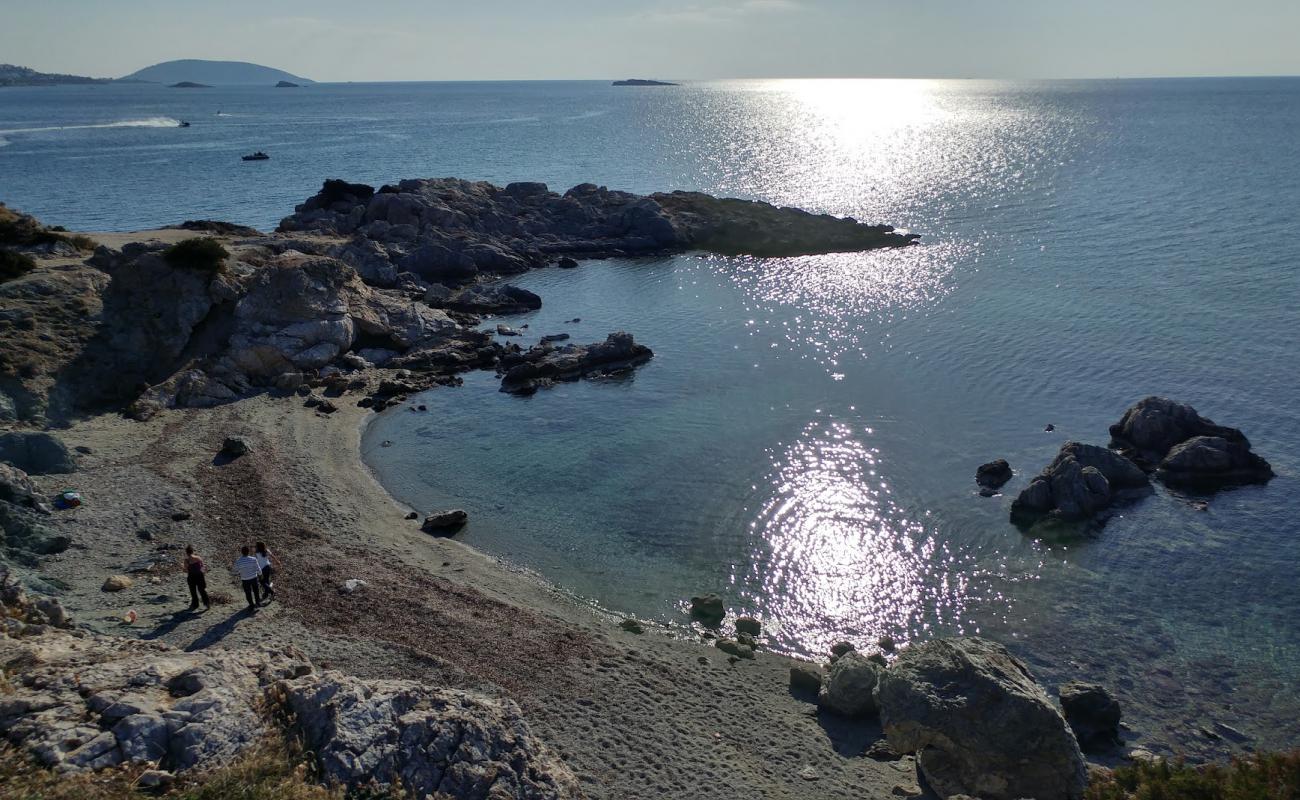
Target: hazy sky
point(337, 40)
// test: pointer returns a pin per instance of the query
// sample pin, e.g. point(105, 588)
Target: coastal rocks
point(749, 625)
point(18, 489)
point(708, 608)
point(978, 723)
point(36, 453)
point(439, 742)
point(442, 523)
point(993, 475)
point(1092, 713)
point(806, 677)
point(1184, 448)
point(850, 686)
point(524, 373)
point(84, 702)
point(1082, 482)
point(735, 648)
point(490, 299)
point(455, 229)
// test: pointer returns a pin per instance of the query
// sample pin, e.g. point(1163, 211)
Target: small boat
point(183, 124)
point(258, 156)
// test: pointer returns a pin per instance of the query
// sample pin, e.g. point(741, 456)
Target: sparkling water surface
point(805, 439)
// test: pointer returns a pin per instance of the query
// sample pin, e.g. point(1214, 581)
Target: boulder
point(806, 677)
point(978, 723)
point(734, 648)
point(1151, 428)
point(749, 625)
point(850, 685)
point(440, 742)
point(36, 453)
point(1083, 482)
point(708, 608)
point(1093, 714)
point(442, 522)
point(17, 488)
point(234, 446)
point(117, 583)
point(993, 474)
point(1208, 462)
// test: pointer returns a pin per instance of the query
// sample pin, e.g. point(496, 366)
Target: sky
point(382, 40)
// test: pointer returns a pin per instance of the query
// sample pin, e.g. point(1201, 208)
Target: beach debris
point(708, 608)
point(234, 446)
point(1093, 714)
point(130, 617)
point(850, 685)
point(352, 586)
point(978, 722)
point(117, 583)
point(806, 677)
point(749, 625)
point(443, 522)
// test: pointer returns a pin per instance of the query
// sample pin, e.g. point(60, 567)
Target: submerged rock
point(1083, 482)
point(978, 723)
point(1092, 713)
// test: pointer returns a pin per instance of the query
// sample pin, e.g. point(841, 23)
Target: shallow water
point(805, 439)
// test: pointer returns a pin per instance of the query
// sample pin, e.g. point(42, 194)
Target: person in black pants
point(198, 582)
point(249, 572)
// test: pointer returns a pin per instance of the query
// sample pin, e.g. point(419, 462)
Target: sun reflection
point(841, 557)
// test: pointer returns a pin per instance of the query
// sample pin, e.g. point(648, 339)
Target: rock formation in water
point(1084, 481)
point(543, 365)
point(1184, 448)
point(978, 723)
point(85, 702)
point(451, 230)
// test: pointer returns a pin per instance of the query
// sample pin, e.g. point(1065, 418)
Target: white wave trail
point(148, 122)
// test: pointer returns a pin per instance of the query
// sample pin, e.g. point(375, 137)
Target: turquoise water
point(805, 440)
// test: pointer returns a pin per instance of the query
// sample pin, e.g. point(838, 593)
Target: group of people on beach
point(256, 570)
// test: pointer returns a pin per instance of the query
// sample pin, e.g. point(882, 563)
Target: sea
point(805, 440)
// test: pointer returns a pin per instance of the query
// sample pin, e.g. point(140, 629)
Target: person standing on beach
point(194, 576)
point(249, 572)
point(268, 564)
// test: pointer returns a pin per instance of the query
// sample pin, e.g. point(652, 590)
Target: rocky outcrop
point(993, 475)
point(18, 489)
point(850, 685)
point(452, 230)
point(445, 522)
point(36, 453)
point(978, 723)
point(1186, 449)
point(1083, 482)
point(545, 364)
point(489, 298)
point(79, 702)
point(439, 742)
point(1092, 713)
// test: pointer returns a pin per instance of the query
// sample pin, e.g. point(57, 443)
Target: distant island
point(214, 73)
point(288, 85)
point(189, 85)
point(642, 82)
point(14, 75)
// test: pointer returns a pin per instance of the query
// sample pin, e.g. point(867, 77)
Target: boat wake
point(147, 122)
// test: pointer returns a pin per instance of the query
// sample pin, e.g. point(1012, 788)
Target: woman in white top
point(267, 564)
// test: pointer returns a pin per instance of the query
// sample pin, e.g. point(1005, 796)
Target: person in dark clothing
point(249, 572)
point(197, 580)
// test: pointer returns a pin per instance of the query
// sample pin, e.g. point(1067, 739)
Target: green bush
point(197, 253)
point(13, 264)
point(1266, 776)
point(23, 231)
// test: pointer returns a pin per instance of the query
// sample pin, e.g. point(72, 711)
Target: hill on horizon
point(216, 73)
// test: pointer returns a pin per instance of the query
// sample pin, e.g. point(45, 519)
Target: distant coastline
point(14, 75)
